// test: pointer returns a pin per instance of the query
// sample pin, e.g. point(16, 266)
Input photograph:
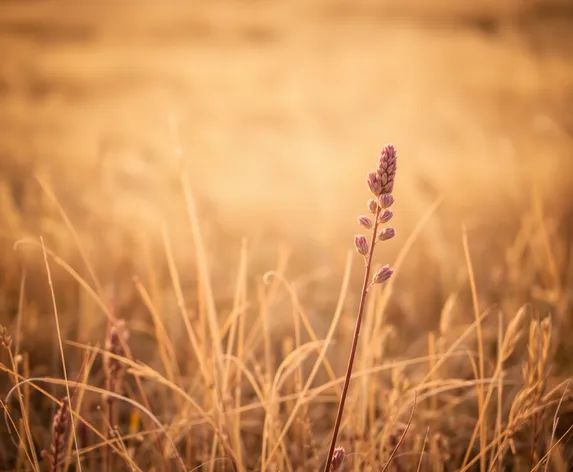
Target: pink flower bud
point(386, 233)
point(337, 458)
point(372, 205)
point(386, 200)
point(382, 274)
point(361, 244)
point(365, 221)
point(385, 216)
point(374, 184)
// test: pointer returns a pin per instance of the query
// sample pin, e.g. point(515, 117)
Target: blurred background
point(280, 109)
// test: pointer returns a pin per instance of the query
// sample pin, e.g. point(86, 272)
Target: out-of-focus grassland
point(281, 109)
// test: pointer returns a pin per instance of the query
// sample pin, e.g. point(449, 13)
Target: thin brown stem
point(110, 418)
point(401, 440)
point(365, 287)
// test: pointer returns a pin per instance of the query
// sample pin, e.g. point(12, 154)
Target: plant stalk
point(365, 286)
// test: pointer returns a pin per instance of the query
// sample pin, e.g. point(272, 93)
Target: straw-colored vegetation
point(178, 198)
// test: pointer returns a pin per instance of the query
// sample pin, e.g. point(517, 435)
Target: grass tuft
point(188, 371)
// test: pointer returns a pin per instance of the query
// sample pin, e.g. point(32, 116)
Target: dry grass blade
point(176, 283)
point(29, 451)
point(101, 392)
point(423, 451)
point(300, 313)
point(50, 194)
point(61, 345)
point(547, 454)
point(166, 350)
point(510, 339)
point(59, 261)
point(554, 429)
point(481, 357)
point(301, 395)
point(395, 450)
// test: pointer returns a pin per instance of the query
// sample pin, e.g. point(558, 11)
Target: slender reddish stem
point(365, 286)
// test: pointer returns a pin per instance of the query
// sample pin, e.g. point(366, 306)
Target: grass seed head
point(59, 428)
point(5, 338)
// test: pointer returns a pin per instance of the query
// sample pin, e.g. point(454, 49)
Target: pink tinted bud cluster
point(386, 170)
point(382, 180)
point(381, 184)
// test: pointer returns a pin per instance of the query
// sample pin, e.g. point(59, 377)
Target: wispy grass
point(256, 383)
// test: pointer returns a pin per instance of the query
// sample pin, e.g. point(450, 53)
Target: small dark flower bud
point(337, 458)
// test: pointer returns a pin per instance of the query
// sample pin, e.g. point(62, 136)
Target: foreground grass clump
point(238, 395)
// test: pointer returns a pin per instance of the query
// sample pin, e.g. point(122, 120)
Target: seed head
point(385, 216)
point(382, 274)
point(117, 332)
point(61, 418)
point(365, 221)
point(361, 244)
point(118, 335)
point(386, 200)
point(387, 168)
point(386, 233)
point(337, 458)
point(5, 338)
point(372, 205)
point(59, 427)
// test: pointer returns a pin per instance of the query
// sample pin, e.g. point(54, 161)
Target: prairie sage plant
point(381, 184)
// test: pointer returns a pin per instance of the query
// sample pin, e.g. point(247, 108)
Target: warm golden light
point(172, 154)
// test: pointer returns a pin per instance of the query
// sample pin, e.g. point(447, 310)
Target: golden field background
point(281, 109)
